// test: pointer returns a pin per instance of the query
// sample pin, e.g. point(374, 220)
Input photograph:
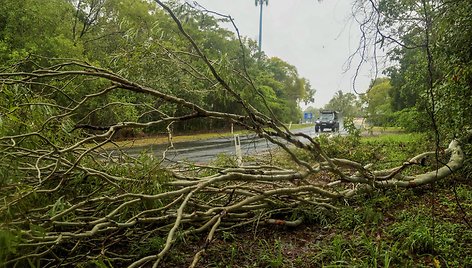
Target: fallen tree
point(68, 201)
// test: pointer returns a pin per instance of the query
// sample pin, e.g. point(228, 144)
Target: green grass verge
point(387, 129)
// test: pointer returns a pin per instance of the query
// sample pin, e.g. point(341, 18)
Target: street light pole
point(260, 2)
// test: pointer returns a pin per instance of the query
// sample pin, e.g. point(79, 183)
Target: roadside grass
point(395, 138)
point(163, 138)
point(388, 230)
point(381, 151)
point(385, 130)
point(420, 227)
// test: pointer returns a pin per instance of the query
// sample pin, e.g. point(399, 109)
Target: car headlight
point(331, 121)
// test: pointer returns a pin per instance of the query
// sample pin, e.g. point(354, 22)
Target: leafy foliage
point(136, 39)
point(379, 110)
point(432, 78)
point(347, 104)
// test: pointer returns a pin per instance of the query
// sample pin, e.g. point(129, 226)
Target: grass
point(421, 227)
point(395, 138)
point(388, 229)
point(384, 130)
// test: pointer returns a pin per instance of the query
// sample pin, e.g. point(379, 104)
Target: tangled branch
point(75, 202)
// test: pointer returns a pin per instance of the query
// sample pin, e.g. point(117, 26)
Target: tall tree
point(429, 40)
point(379, 109)
point(346, 103)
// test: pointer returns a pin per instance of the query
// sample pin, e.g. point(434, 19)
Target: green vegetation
point(433, 73)
point(348, 104)
point(77, 75)
point(139, 41)
point(379, 103)
point(407, 228)
point(427, 88)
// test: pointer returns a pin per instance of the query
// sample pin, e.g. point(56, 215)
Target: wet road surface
point(204, 151)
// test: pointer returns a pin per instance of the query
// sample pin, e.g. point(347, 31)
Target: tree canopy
point(137, 40)
point(428, 42)
point(348, 104)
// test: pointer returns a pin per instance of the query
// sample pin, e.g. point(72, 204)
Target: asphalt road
point(204, 151)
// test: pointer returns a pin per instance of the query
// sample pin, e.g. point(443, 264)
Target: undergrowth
point(421, 227)
point(388, 229)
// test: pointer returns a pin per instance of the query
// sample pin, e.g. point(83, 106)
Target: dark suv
point(327, 119)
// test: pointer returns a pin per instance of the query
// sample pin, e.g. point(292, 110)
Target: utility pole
point(260, 3)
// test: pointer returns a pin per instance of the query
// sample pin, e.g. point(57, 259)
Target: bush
point(412, 120)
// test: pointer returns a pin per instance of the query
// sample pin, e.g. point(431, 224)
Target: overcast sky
point(316, 37)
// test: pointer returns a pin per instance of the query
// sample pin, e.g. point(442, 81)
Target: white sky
point(316, 37)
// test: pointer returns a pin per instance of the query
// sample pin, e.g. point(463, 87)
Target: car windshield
point(327, 117)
